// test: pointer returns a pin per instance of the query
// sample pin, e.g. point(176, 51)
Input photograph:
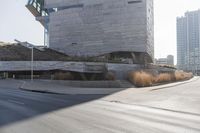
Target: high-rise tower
point(188, 41)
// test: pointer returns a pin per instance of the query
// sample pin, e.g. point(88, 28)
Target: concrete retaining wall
point(120, 70)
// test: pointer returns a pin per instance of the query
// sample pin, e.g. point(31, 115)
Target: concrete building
point(121, 29)
point(165, 61)
point(161, 61)
point(188, 41)
point(170, 60)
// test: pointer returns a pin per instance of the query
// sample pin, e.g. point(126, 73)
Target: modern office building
point(113, 29)
point(188, 41)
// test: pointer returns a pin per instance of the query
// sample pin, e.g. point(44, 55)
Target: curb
point(176, 84)
point(25, 86)
point(22, 87)
point(43, 91)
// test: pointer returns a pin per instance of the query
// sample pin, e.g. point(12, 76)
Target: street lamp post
point(31, 63)
point(30, 46)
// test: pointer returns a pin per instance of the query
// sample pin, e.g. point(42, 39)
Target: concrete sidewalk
point(180, 96)
point(60, 87)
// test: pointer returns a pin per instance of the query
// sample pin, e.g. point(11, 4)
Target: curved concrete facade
point(97, 27)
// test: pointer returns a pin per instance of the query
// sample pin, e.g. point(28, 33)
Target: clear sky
point(16, 22)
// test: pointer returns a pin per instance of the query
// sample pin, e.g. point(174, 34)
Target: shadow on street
point(18, 105)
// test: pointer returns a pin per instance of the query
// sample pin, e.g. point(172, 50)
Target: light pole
point(32, 63)
point(30, 46)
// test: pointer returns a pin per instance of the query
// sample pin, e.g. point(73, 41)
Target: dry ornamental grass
point(144, 79)
point(163, 77)
point(141, 78)
point(180, 75)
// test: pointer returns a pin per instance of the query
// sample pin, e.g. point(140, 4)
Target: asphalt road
point(130, 111)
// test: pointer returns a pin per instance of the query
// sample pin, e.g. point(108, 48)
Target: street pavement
point(175, 109)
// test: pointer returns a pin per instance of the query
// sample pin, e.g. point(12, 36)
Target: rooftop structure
point(121, 29)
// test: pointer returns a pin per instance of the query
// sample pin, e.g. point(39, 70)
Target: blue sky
point(18, 23)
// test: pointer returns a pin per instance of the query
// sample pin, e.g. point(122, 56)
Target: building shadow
point(17, 105)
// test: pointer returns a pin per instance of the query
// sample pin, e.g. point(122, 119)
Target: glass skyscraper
point(188, 41)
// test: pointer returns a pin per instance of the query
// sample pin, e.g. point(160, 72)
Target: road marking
point(16, 102)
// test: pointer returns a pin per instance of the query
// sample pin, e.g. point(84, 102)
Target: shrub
point(145, 78)
point(164, 77)
point(141, 78)
point(181, 75)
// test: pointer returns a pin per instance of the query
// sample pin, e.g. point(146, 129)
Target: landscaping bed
point(146, 78)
